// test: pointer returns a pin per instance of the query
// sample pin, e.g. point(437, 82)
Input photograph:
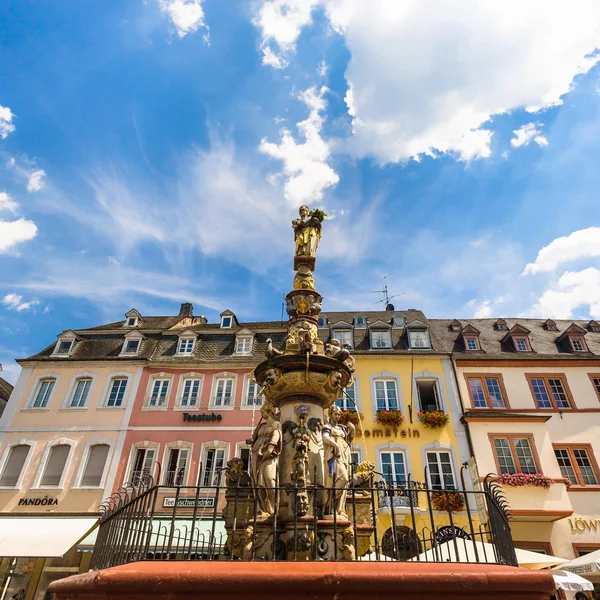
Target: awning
point(44, 537)
point(588, 564)
point(565, 580)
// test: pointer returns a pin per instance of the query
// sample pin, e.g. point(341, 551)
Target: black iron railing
point(407, 521)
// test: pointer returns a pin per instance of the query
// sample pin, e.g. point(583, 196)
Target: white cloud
point(15, 302)
point(483, 310)
point(425, 81)
point(323, 68)
point(6, 121)
point(16, 232)
point(574, 289)
point(281, 21)
point(531, 132)
point(187, 16)
point(34, 180)
point(584, 243)
point(305, 167)
point(7, 203)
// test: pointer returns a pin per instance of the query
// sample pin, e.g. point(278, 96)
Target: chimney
point(186, 310)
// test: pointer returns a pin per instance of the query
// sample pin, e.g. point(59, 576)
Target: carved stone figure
point(271, 352)
point(347, 544)
point(272, 376)
point(234, 472)
point(337, 440)
point(363, 476)
point(304, 279)
point(306, 338)
point(265, 450)
point(307, 230)
point(335, 350)
point(247, 549)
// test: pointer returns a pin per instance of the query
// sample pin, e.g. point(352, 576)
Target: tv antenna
point(386, 297)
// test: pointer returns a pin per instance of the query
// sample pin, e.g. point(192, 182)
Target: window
point(344, 336)
point(595, 379)
point(500, 325)
point(214, 463)
point(55, 465)
point(577, 464)
point(429, 394)
point(160, 390)
point(550, 325)
point(94, 467)
point(80, 395)
point(440, 472)
point(471, 344)
point(244, 454)
point(418, 338)
point(42, 395)
point(521, 345)
point(223, 391)
point(63, 347)
point(393, 467)
point(191, 390)
point(347, 401)
point(386, 394)
point(142, 464)
point(131, 346)
point(186, 346)
point(117, 391)
point(176, 466)
point(355, 460)
point(243, 344)
point(578, 345)
point(514, 454)
point(131, 322)
point(252, 397)
point(398, 321)
point(486, 392)
point(14, 465)
point(322, 321)
point(550, 391)
point(380, 338)
point(359, 322)
point(226, 322)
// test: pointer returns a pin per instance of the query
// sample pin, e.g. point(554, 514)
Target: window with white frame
point(190, 392)
point(223, 392)
point(63, 347)
point(393, 467)
point(386, 394)
point(360, 322)
point(226, 322)
point(159, 393)
point(347, 400)
point(43, 393)
point(355, 459)
point(252, 395)
point(344, 336)
point(177, 459)
point(418, 338)
point(214, 461)
point(131, 346)
point(521, 345)
point(440, 471)
point(380, 338)
point(142, 465)
point(55, 465)
point(116, 393)
point(131, 322)
point(186, 346)
point(80, 393)
point(13, 467)
point(94, 466)
point(429, 394)
point(243, 344)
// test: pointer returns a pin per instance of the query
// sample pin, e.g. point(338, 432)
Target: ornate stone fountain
point(300, 453)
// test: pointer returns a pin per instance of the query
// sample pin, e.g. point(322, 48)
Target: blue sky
point(154, 152)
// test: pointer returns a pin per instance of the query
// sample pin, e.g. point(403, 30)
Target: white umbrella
point(565, 580)
point(588, 564)
point(470, 551)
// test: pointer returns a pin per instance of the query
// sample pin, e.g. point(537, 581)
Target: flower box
point(444, 500)
point(433, 419)
point(525, 479)
point(350, 416)
point(393, 418)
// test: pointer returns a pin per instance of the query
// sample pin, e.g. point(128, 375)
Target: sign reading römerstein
point(201, 418)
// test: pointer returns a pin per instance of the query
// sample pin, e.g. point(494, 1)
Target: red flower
point(524, 479)
point(444, 500)
point(393, 418)
point(433, 419)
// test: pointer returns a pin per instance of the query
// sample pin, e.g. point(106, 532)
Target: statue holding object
point(307, 232)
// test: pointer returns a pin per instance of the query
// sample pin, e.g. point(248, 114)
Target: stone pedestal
point(299, 580)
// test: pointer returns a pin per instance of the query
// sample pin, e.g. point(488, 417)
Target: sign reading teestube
point(203, 418)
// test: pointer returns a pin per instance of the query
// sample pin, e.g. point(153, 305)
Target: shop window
point(429, 394)
point(14, 465)
point(94, 468)
point(55, 466)
point(57, 568)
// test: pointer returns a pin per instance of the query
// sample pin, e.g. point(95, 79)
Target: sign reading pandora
point(203, 418)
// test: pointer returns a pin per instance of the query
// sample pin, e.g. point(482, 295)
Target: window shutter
point(55, 465)
point(14, 465)
point(92, 476)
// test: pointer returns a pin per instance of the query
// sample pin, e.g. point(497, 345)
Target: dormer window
point(243, 344)
point(577, 344)
point(518, 337)
point(64, 347)
point(131, 347)
point(418, 338)
point(344, 336)
point(471, 343)
point(550, 325)
point(360, 322)
point(65, 343)
point(228, 319)
point(226, 322)
point(323, 321)
point(132, 318)
point(455, 325)
point(521, 345)
point(132, 344)
point(594, 326)
point(186, 346)
point(398, 321)
point(575, 336)
point(380, 339)
point(500, 325)
point(131, 322)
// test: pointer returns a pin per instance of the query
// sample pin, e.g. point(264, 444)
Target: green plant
point(317, 213)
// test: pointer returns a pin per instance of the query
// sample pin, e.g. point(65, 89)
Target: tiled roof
point(5, 392)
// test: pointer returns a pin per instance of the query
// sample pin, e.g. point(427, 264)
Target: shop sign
point(479, 496)
point(584, 524)
point(189, 502)
point(203, 418)
point(450, 532)
point(389, 432)
point(45, 501)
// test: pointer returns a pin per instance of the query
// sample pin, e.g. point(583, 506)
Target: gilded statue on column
point(307, 231)
point(337, 443)
point(265, 448)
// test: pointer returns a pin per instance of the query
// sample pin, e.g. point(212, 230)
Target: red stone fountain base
point(298, 581)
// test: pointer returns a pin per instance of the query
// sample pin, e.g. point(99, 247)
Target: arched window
point(14, 465)
point(55, 465)
point(94, 467)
